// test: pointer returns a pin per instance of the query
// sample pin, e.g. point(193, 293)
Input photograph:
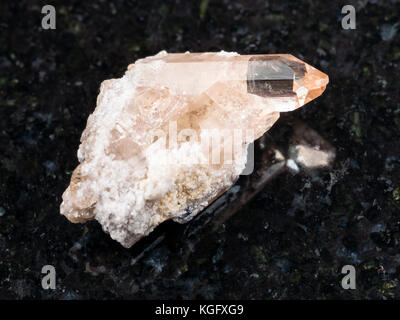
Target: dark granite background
point(292, 240)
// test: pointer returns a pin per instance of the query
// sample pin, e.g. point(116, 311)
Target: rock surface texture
point(172, 135)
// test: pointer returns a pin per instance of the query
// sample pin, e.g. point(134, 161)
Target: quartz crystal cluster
point(172, 135)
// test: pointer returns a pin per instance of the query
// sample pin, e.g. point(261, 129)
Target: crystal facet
point(172, 135)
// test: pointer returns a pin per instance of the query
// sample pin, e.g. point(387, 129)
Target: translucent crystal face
point(223, 86)
point(284, 76)
point(142, 155)
point(267, 76)
point(273, 76)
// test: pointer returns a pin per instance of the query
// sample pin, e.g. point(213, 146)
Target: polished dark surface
point(291, 241)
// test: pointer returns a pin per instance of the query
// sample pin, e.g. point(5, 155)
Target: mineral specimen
point(172, 135)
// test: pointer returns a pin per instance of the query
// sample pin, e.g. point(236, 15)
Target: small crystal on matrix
point(172, 135)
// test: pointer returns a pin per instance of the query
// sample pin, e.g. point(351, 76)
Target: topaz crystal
point(172, 135)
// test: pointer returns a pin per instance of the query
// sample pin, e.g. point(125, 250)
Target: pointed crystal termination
point(172, 135)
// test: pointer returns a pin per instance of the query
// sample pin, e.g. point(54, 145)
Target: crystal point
point(143, 158)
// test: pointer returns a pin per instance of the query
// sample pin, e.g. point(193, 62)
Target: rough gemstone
point(172, 135)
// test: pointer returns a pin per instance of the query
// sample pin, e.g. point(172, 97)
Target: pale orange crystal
point(136, 171)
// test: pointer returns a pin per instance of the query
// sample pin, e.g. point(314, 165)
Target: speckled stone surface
point(288, 243)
